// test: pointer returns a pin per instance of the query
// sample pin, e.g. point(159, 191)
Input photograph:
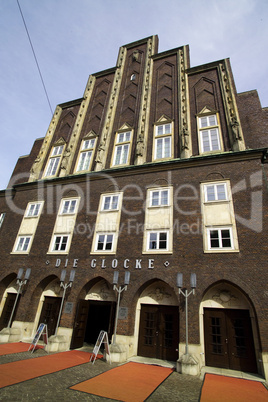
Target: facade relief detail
point(73, 143)
point(184, 117)
point(143, 126)
point(38, 164)
point(108, 124)
point(232, 116)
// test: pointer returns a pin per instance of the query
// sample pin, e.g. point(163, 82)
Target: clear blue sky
point(73, 39)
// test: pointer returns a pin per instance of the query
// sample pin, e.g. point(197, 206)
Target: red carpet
point(16, 347)
point(229, 389)
point(131, 382)
point(15, 372)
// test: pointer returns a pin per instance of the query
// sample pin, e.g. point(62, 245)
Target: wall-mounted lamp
point(65, 286)
point(119, 290)
point(21, 282)
point(186, 295)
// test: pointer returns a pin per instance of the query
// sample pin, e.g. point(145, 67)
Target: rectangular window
point(54, 161)
point(163, 141)
point(86, 155)
point(122, 147)
point(104, 242)
point(23, 243)
point(159, 198)
point(2, 217)
point(157, 240)
point(220, 238)
point(68, 206)
point(60, 243)
point(215, 192)
point(110, 202)
point(33, 210)
point(209, 133)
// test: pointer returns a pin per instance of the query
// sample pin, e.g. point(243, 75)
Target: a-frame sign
point(102, 338)
point(42, 330)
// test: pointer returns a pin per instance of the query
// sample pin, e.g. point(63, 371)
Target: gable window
point(220, 238)
point(122, 148)
point(33, 210)
point(163, 141)
point(54, 161)
point(157, 240)
point(85, 157)
point(159, 198)
point(60, 243)
point(68, 206)
point(110, 202)
point(209, 133)
point(23, 243)
point(104, 242)
point(215, 192)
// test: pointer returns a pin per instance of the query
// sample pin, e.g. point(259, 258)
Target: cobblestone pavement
point(55, 386)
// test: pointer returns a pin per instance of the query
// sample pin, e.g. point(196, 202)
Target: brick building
point(158, 169)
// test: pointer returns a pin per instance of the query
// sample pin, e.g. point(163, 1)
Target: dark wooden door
point(80, 324)
point(229, 339)
point(50, 313)
point(101, 317)
point(159, 332)
point(7, 310)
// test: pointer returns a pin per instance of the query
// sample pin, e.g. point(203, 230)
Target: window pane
point(100, 242)
point(167, 128)
point(107, 201)
point(57, 243)
point(125, 154)
point(214, 239)
point(153, 241)
point(164, 197)
point(72, 206)
point(221, 192)
point(26, 243)
point(162, 241)
point(210, 193)
point(155, 198)
point(120, 137)
point(64, 243)
point(226, 239)
point(65, 207)
point(212, 120)
point(205, 141)
point(203, 121)
point(118, 155)
point(214, 140)
point(159, 145)
point(127, 136)
point(167, 147)
point(114, 202)
point(160, 130)
point(109, 242)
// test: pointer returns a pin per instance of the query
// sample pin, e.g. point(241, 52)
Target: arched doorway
point(229, 329)
point(94, 313)
point(158, 318)
point(7, 304)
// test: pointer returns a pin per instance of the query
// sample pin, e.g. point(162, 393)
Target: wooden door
point(80, 324)
point(50, 313)
point(159, 332)
point(7, 310)
point(228, 339)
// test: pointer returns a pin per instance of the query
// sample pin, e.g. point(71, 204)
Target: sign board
point(68, 308)
point(123, 313)
point(42, 330)
point(102, 338)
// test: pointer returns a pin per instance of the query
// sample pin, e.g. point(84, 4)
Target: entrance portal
point(50, 313)
point(159, 332)
point(91, 318)
point(7, 310)
point(229, 340)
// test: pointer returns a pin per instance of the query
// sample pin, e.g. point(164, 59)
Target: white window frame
point(210, 129)
point(54, 161)
point(216, 192)
point(105, 242)
point(160, 138)
point(220, 238)
point(61, 236)
point(34, 209)
point(68, 211)
point(160, 198)
point(157, 233)
point(85, 164)
point(120, 157)
point(24, 240)
point(110, 203)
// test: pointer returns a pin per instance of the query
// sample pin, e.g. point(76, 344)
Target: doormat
point(131, 382)
point(229, 389)
point(16, 347)
point(22, 370)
